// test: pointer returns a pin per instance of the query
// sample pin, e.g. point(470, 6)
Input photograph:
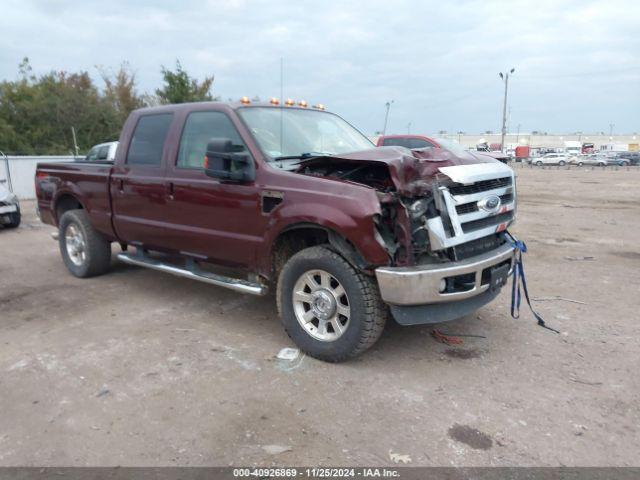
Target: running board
point(236, 284)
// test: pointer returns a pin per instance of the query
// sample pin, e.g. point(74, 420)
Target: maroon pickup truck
point(259, 197)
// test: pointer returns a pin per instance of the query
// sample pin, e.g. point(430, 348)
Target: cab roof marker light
point(245, 100)
point(289, 102)
point(319, 106)
point(274, 101)
point(303, 104)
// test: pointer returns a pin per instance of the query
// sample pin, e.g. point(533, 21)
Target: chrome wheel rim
point(76, 245)
point(321, 305)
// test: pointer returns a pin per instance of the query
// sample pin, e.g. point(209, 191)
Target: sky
point(577, 63)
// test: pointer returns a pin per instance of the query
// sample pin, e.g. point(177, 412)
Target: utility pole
point(75, 142)
point(505, 79)
point(409, 128)
point(386, 117)
point(518, 135)
point(611, 125)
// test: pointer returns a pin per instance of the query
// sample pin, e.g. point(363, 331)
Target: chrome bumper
point(420, 285)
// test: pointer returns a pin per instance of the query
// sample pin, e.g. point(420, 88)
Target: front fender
point(354, 222)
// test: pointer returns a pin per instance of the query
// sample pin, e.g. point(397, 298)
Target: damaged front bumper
point(469, 284)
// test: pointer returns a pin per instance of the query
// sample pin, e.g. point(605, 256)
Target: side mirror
point(227, 161)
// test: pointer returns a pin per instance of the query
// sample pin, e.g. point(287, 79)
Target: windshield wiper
point(302, 156)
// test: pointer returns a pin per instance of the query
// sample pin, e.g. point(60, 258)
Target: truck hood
point(411, 171)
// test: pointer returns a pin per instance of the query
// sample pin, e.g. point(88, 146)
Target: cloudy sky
point(577, 62)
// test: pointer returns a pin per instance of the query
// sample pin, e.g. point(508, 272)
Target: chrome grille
point(462, 219)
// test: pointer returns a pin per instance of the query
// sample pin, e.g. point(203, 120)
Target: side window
point(92, 156)
point(103, 152)
point(395, 142)
point(419, 143)
point(198, 129)
point(148, 139)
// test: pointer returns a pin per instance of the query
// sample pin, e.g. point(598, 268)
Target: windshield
point(283, 132)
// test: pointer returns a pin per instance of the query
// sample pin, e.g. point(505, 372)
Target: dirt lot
point(142, 368)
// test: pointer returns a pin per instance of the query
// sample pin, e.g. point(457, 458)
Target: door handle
point(170, 190)
point(121, 185)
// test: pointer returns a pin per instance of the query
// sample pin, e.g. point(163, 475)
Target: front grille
point(461, 220)
point(481, 186)
point(486, 222)
point(473, 206)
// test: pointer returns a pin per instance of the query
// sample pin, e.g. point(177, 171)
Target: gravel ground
point(141, 368)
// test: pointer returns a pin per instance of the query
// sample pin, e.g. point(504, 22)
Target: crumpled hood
point(411, 171)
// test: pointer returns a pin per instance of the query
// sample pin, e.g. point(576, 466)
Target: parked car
point(600, 160)
point(103, 152)
point(421, 141)
point(9, 207)
point(297, 200)
point(625, 159)
point(551, 159)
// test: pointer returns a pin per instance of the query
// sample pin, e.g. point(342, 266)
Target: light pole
point(409, 128)
point(386, 117)
point(611, 125)
point(505, 79)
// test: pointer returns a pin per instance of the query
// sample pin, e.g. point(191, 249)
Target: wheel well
point(66, 203)
point(298, 237)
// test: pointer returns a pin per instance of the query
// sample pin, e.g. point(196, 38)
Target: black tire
point(368, 313)
point(624, 164)
point(580, 164)
point(562, 163)
point(539, 163)
point(14, 219)
point(601, 164)
point(97, 248)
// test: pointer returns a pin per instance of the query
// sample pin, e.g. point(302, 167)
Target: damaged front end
point(435, 206)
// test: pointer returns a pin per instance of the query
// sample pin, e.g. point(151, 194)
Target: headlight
point(418, 208)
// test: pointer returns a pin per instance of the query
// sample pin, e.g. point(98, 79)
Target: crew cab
point(262, 196)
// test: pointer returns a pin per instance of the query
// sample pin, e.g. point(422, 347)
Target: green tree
point(120, 91)
point(36, 114)
point(179, 87)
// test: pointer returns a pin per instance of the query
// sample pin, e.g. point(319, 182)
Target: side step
point(236, 284)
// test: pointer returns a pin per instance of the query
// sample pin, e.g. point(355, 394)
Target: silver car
point(9, 207)
point(591, 159)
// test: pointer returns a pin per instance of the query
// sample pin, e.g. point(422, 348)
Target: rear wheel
point(85, 251)
point(539, 163)
point(561, 163)
point(580, 164)
point(624, 164)
point(329, 309)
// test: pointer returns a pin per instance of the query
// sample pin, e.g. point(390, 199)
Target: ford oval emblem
point(490, 203)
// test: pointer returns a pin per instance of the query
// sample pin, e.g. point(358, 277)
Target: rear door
point(206, 217)
point(137, 183)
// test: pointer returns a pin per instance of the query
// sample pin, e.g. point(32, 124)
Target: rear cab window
point(148, 140)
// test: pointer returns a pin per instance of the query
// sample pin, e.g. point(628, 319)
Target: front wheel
point(539, 163)
point(580, 164)
point(14, 219)
point(561, 163)
point(330, 310)
point(85, 251)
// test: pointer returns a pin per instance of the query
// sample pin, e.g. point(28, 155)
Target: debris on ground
point(446, 339)
point(276, 449)
point(563, 299)
point(577, 259)
point(103, 392)
point(399, 458)
point(289, 354)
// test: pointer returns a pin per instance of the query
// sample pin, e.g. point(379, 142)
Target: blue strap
point(518, 280)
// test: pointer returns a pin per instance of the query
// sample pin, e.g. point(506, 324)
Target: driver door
point(206, 217)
